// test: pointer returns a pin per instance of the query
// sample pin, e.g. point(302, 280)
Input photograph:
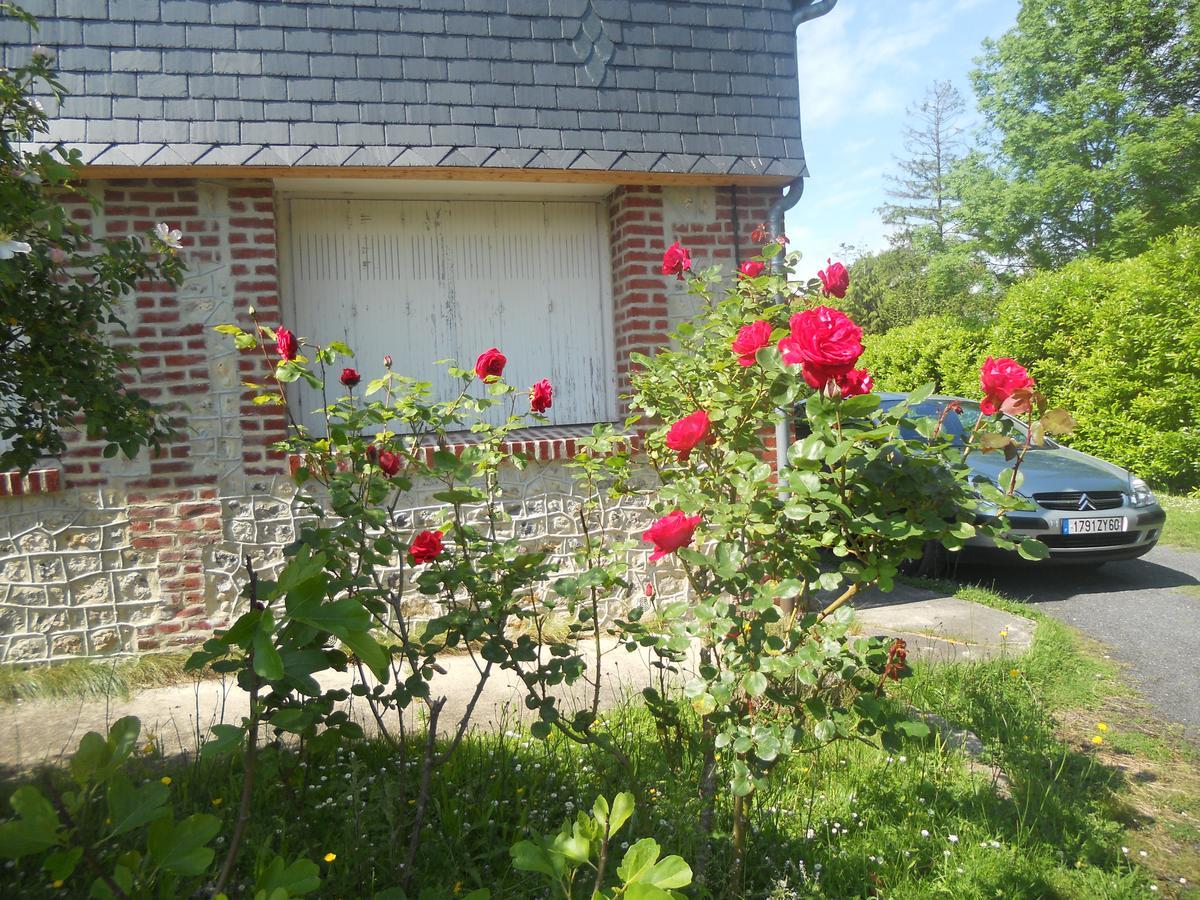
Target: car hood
point(1047, 470)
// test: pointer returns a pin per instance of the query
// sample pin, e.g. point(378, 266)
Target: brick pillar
point(639, 288)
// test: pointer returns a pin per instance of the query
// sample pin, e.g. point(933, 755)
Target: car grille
point(1079, 541)
point(1069, 500)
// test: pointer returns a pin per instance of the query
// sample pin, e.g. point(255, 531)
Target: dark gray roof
point(639, 85)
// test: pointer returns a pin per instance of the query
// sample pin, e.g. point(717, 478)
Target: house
point(422, 178)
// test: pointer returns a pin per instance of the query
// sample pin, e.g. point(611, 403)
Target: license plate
point(1105, 525)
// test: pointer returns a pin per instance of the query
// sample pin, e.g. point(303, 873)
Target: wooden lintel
point(428, 173)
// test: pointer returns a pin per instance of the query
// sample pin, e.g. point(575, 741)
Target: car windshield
point(957, 424)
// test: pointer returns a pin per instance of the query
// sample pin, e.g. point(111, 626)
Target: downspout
point(802, 11)
point(795, 190)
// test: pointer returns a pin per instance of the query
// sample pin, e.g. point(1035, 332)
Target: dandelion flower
point(57, 883)
point(1100, 726)
point(217, 801)
point(1096, 739)
point(329, 857)
point(166, 779)
point(1015, 673)
point(1004, 634)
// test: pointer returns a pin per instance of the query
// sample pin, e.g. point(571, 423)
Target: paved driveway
point(1147, 611)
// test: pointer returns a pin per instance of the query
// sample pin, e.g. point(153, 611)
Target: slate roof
point(641, 85)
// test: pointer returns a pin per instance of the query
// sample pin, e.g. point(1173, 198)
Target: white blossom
point(9, 247)
point(172, 237)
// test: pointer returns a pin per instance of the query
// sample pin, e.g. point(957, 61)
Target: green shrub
point(1116, 342)
point(1119, 342)
point(933, 349)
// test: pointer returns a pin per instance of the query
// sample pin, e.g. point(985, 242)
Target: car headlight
point(1140, 494)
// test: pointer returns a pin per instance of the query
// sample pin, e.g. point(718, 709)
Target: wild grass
point(93, 678)
point(850, 821)
point(1183, 521)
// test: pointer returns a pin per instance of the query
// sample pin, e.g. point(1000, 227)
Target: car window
point(957, 425)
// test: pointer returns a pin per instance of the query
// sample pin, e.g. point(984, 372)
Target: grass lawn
point(93, 678)
point(1088, 785)
point(1183, 521)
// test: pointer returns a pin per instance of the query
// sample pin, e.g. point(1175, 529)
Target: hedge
point(1118, 343)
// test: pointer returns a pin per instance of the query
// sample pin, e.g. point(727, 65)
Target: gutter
point(802, 11)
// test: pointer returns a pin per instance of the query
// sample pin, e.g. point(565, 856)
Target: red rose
point(387, 361)
point(425, 547)
point(689, 431)
point(540, 396)
point(752, 268)
point(855, 382)
point(1000, 379)
point(372, 453)
point(835, 280)
point(750, 339)
point(286, 344)
point(676, 261)
point(389, 462)
point(825, 341)
point(490, 364)
point(670, 533)
point(350, 377)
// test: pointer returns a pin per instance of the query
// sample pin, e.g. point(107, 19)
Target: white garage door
point(425, 280)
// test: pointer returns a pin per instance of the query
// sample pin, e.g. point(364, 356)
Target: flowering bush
point(773, 559)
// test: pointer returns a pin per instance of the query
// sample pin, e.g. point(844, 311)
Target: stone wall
point(105, 556)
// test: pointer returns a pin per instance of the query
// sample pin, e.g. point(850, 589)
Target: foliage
point(1121, 342)
point(1093, 140)
point(921, 277)
point(587, 841)
point(93, 678)
point(124, 835)
point(938, 350)
point(61, 291)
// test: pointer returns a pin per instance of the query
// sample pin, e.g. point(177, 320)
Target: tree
point(1093, 131)
point(60, 291)
point(933, 140)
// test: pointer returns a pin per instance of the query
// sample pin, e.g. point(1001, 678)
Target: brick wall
point(110, 555)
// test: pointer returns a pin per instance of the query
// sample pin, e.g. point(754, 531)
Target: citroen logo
point(1085, 503)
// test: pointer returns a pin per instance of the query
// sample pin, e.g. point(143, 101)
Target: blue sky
point(860, 67)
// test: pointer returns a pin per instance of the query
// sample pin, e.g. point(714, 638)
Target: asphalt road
point(1146, 611)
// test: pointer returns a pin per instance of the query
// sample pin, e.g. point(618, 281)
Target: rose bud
point(540, 396)
point(669, 533)
point(835, 280)
point(389, 462)
point(490, 364)
point(425, 547)
point(676, 261)
point(387, 361)
point(689, 431)
point(350, 377)
point(750, 339)
point(286, 344)
point(751, 268)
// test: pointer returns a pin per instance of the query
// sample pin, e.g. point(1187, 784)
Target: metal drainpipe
point(795, 191)
point(807, 10)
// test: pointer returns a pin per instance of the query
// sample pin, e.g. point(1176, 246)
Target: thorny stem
point(251, 756)
point(836, 604)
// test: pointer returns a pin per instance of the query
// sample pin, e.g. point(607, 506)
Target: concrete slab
point(936, 628)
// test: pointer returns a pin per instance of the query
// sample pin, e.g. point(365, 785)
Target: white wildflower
point(9, 247)
point(171, 237)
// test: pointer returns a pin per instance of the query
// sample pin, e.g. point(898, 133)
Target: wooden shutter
point(425, 280)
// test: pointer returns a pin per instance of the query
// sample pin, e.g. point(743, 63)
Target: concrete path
point(938, 628)
point(1146, 611)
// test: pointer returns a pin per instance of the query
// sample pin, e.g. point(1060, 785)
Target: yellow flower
point(149, 748)
point(330, 857)
point(1015, 673)
point(166, 779)
point(457, 888)
point(1096, 739)
point(1100, 726)
point(1004, 634)
point(57, 883)
point(217, 801)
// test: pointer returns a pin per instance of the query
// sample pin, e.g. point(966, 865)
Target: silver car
point(1086, 510)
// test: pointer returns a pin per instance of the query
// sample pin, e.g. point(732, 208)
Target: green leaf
point(267, 661)
point(530, 857)
point(639, 859)
point(302, 877)
point(37, 826)
point(227, 739)
point(131, 807)
point(1033, 549)
point(755, 684)
point(366, 648)
point(622, 809)
point(179, 847)
point(340, 618)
